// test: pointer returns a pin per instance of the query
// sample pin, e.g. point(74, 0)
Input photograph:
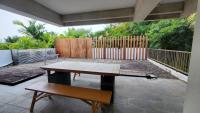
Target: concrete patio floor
point(132, 95)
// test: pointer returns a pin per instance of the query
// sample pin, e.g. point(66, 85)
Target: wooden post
point(143, 46)
point(131, 48)
point(95, 107)
point(118, 48)
point(110, 48)
point(128, 48)
point(140, 46)
point(96, 48)
point(134, 48)
point(124, 51)
point(104, 48)
point(137, 45)
point(146, 48)
point(113, 52)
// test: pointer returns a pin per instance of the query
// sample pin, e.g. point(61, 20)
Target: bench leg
point(33, 101)
point(49, 96)
point(95, 107)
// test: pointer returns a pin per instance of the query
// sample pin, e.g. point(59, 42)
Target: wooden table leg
point(33, 101)
point(95, 107)
point(108, 83)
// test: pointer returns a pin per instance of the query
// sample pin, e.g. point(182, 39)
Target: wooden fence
point(121, 48)
point(178, 60)
point(74, 48)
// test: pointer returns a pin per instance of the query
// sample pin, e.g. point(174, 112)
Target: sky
point(7, 28)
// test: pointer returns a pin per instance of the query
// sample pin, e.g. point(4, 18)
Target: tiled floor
point(132, 95)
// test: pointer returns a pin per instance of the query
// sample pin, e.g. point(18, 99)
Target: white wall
point(5, 57)
point(192, 99)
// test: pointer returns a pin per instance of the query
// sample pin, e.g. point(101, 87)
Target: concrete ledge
point(171, 71)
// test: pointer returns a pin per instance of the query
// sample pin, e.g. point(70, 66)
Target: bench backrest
point(73, 92)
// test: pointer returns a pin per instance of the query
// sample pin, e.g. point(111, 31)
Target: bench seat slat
point(73, 92)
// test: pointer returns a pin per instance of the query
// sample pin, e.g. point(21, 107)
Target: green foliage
point(173, 34)
point(136, 29)
point(35, 37)
point(4, 46)
point(124, 29)
point(12, 39)
point(49, 38)
point(163, 29)
point(33, 29)
point(113, 30)
point(191, 19)
point(79, 33)
point(27, 43)
point(179, 39)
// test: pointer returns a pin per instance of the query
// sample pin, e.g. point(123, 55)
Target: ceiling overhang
point(140, 11)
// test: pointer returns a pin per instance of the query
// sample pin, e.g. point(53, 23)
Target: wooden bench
point(92, 97)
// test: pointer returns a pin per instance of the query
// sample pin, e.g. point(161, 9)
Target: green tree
point(28, 43)
point(173, 34)
point(49, 38)
point(170, 34)
point(12, 39)
point(4, 46)
point(140, 28)
point(113, 30)
point(33, 29)
point(77, 33)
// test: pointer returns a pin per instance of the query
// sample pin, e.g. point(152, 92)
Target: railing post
point(165, 57)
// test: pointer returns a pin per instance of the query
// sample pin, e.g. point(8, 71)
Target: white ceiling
point(79, 6)
point(76, 6)
point(171, 1)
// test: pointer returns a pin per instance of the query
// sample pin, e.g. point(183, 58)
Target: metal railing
point(178, 60)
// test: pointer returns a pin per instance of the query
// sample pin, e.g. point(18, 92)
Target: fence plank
point(140, 46)
point(110, 49)
point(104, 49)
point(89, 48)
point(97, 50)
point(146, 48)
point(137, 47)
point(124, 52)
point(143, 45)
point(118, 48)
point(134, 51)
point(127, 51)
point(101, 48)
point(74, 48)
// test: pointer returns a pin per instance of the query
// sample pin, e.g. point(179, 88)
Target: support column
point(192, 99)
